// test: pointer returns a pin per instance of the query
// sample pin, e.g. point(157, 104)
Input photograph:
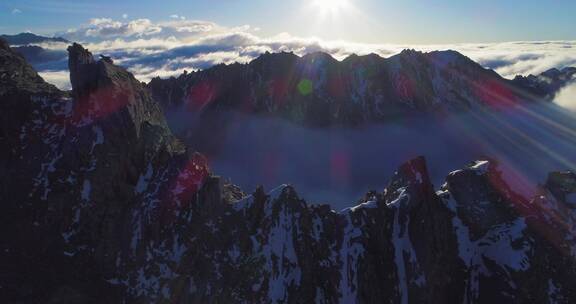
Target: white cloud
point(102, 28)
point(522, 58)
point(99, 29)
point(61, 79)
point(567, 97)
point(16, 11)
point(124, 16)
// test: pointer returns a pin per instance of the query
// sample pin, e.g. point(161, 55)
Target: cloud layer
point(338, 166)
point(567, 97)
point(167, 48)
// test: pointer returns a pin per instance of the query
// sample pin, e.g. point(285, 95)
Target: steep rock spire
point(82, 68)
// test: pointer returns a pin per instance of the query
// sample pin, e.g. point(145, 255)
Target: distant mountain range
point(318, 90)
point(547, 84)
point(29, 38)
point(42, 59)
point(101, 203)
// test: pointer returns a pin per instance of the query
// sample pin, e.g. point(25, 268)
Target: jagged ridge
point(474, 241)
point(547, 84)
point(316, 89)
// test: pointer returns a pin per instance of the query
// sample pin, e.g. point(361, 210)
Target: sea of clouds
point(168, 48)
point(566, 98)
point(339, 165)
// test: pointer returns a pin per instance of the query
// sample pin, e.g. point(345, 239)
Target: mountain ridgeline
point(318, 90)
point(29, 38)
point(100, 203)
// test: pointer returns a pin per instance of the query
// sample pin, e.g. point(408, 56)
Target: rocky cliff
point(101, 204)
point(73, 170)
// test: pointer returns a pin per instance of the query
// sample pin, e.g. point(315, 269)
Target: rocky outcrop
point(73, 172)
point(562, 185)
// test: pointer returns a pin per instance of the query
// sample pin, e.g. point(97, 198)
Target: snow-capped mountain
point(100, 203)
point(318, 90)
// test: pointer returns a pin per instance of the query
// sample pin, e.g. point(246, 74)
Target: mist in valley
point(337, 166)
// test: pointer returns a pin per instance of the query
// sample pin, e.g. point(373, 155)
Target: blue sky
point(365, 21)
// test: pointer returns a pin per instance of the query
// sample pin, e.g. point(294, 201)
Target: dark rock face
point(319, 90)
point(72, 172)
point(101, 204)
point(17, 75)
point(562, 185)
point(406, 244)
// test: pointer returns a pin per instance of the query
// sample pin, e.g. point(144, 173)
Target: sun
point(330, 7)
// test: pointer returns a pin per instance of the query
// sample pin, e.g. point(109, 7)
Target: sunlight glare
point(330, 7)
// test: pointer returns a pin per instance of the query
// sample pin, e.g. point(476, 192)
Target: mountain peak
point(319, 56)
point(410, 52)
point(547, 84)
point(79, 54)
point(440, 58)
point(81, 65)
point(275, 58)
point(87, 73)
point(370, 59)
point(412, 175)
point(102, 89)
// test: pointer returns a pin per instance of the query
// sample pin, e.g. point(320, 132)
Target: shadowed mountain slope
point(318, 90)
